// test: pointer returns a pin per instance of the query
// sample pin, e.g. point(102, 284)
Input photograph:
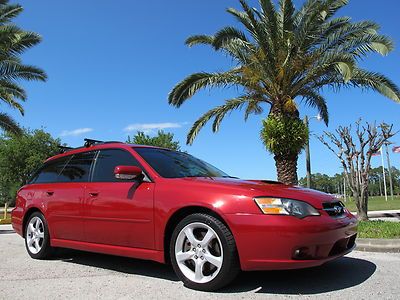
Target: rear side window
point(107, 160)
point(49, 172)
point(78, 168)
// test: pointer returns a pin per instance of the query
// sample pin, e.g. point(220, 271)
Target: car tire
point(203, 253)
point(37, 237)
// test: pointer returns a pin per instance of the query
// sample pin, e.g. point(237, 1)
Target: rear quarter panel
point(24, 202)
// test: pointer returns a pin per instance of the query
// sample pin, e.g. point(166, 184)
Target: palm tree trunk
point(287, 169)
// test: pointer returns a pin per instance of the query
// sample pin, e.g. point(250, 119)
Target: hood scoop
point(271, 182)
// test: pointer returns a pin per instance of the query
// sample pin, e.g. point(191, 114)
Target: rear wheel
point(37, 238)
point(203, 253)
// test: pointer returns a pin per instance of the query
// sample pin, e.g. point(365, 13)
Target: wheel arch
point(177, 216)
point(27, 214)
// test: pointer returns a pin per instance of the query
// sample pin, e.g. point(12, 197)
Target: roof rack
point(91, 142)
point(64, 149)
point(88, 143)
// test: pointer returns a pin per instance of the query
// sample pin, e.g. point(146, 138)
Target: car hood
point(256, 188)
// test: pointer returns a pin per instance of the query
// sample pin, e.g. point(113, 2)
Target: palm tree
point(13, 42)
point(285, 56)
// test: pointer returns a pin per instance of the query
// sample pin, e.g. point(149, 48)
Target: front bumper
point(267, 242)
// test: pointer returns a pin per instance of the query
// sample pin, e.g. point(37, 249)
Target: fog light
point(302, 253)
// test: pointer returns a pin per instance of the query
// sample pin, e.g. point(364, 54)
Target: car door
point(64, 195)
point(118, 212)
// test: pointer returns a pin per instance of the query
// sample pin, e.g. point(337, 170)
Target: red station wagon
point(170, 207)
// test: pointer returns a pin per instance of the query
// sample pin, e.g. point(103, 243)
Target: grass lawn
point(376, 203)
point(379, 229)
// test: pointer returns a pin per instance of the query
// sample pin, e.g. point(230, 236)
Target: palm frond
point(270, 17)
point(227, 34)
point(195, 82)
point(9, 12)
point(331, 7)
point(218, 113)
point(286, 16)
point(23, 41)
point(199, 39)
point(314, 99)
point(376, 81)
point(10, 100)
point(10, 70)
point(8, 124)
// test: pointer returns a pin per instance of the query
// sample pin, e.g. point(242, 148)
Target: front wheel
point(37, 238)
point(203, 253)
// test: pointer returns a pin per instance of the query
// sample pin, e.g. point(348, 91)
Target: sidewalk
point(384, 215)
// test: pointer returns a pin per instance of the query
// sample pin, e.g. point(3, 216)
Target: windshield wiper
point(227, 176)
point(199, 175)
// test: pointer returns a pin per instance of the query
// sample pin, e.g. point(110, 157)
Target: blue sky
point(111, 65)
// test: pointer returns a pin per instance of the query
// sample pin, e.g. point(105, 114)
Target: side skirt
point(146, 254)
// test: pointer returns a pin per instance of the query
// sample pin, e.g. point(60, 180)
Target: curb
point(378, 245)
point(5, 221)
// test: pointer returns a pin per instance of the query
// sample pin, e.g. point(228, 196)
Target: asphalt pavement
point(81, 275)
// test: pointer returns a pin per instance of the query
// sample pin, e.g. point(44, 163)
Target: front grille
point(334, 209)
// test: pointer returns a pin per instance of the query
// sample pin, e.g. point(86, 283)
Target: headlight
point(282, 206)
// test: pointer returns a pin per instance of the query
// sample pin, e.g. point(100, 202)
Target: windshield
point(172, 164)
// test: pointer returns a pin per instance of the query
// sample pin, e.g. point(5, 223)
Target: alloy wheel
point(199, 252)
point(35, 235)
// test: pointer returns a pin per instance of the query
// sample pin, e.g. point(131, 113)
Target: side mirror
point(127, 172)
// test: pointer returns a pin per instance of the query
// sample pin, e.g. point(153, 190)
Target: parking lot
point(80, 275)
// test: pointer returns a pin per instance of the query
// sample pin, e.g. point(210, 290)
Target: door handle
point(49, 193)
point(93, 194)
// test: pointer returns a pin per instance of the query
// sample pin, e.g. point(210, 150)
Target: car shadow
point(116, 263)
point(340, 274)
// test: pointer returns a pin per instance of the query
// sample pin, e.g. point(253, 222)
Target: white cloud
point(76, 132)
point(149, 127)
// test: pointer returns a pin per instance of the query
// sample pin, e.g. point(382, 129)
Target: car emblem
point(338, 209)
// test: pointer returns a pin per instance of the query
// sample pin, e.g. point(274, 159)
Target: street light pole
point(308, 160)
point(307, 148)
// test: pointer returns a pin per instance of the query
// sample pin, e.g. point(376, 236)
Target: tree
point(321, 182)
point(376, 181)
point(355, 156)
point(285, 56)
point(20, 156)
point(14, 42)
point(162, 139)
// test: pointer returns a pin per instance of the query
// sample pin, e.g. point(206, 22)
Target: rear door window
point(78, 168)
point(49, 172)
point(107, 160)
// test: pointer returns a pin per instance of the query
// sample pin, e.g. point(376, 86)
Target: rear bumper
point(17, 220)
point(270, 242)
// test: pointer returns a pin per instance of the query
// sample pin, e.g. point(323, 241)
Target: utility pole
point(389, 171)
point(308, 159)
